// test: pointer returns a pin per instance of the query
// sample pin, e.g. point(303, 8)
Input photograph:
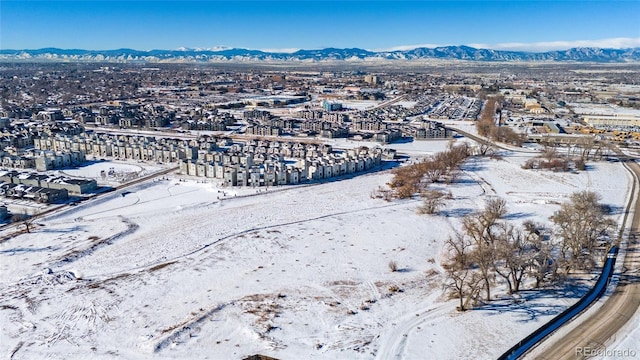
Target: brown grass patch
point(342, 283)
point(161, 266)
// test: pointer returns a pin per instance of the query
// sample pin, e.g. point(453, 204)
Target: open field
point(182, 269)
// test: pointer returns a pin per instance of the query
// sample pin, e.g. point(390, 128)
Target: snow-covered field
point(113, 172)
point(182, 269)
point(406, 104)
point(360, 104)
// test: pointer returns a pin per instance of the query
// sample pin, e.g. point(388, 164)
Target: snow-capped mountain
point(218, 54)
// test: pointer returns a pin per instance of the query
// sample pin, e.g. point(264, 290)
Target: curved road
point(482, 140)
point(599, 330)
point(584, 303)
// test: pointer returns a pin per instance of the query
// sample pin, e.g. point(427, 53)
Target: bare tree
point(581, 222)
point(454, 156)
point(494, 209)
point(452, 159)
point(484, 257)
point(516, 252)
point(381, 193)
point(542, 263)
point(586, 144)
point(487, 122)
point(481, 227)
point(410, 179)
point(434, 169)
point(463, 280)
point(406, 180)
point(25, 219)
point(486, 149)
point(549, 153)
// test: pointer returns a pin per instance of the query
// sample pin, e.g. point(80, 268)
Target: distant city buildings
point(331, 106)
point(254, 127)
point(372, 79)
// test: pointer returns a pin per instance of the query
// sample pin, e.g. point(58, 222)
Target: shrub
point(393, 266)
point(433, 200)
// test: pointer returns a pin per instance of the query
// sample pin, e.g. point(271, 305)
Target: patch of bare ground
point(100, 284)
point(161, 266)
point(341, 283)
point(266, 308)
point(354, 297)
point(360, 345)
point(12, 235)
point(15, 349)
point(184, 330)
point(428, 283)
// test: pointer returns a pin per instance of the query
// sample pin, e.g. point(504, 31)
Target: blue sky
point(374, 25)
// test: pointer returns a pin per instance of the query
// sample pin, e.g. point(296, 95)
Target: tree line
point(442, 167)
point(489, 250)
point(487, 127)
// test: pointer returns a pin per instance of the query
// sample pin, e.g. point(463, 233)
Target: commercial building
point(614, 120)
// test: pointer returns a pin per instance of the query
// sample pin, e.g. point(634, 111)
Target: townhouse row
point(144, 149)
point(72, 186)
point(244, 170)
point(171, 150)
point(33, 193)
point(252, 163)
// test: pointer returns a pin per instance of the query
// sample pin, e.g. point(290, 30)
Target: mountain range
point(587, 54)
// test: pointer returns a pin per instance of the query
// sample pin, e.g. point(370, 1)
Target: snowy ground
point(626, 346)
point(406, 104)
point(112, 173)
point(169, 270)
point(359, 104)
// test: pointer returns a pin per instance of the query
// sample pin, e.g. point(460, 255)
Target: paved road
point(389, 103)
point(600, 329)
point(485, 141)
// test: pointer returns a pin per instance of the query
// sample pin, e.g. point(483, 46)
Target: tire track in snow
point(392, 347)
point(77, 254)
point(246, 231)
point(184, 329)
point(138, 202)
point(374, 290)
